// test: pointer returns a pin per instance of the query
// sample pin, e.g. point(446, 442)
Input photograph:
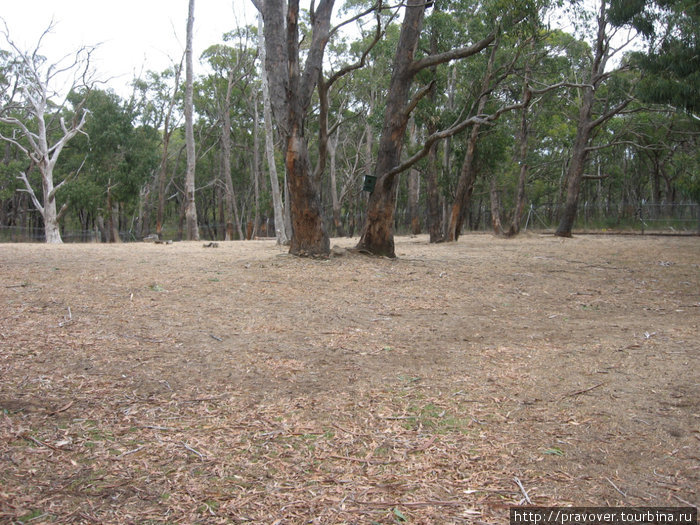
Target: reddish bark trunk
point(291, 96)
point(378, 233)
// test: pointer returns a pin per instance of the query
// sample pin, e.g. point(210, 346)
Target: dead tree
point(33, 115)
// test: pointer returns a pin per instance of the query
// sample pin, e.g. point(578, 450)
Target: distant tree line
point(365, 118)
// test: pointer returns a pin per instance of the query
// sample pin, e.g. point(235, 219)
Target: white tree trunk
point(190, 207)
point(280, 227)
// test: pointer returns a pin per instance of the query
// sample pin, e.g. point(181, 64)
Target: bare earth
point(146, 383)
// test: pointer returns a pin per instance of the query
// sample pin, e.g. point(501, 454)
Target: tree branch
point(454, 130)
point(454, 54)
point(23, 177)
point(610, 113)
point(361, 62)
point(422, 92)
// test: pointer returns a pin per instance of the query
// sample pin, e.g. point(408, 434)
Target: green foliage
point(671, 65)
point(645, 156)
point(112, 153)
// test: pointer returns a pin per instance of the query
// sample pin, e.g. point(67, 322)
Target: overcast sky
point(134, 35)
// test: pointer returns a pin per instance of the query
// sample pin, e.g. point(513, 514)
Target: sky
point(134, 36)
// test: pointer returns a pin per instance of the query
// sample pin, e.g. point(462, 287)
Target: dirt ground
point(144, 383)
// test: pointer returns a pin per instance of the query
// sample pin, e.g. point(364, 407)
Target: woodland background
point(122, 176)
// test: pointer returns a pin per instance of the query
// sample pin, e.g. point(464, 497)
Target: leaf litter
point(247, 386)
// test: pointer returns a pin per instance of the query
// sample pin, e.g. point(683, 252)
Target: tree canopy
point(490, 114)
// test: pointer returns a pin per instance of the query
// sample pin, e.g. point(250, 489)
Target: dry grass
point(175, 384)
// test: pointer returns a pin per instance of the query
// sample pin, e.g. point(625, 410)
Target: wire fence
point(645, 218)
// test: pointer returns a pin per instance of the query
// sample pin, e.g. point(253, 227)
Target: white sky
point(134, 35)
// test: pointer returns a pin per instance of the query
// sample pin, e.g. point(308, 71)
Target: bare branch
point(454, 54)
point(454, 130)
point(361, 62)
point(23, 177)
point(422, 92)
point(377, 7)
point(610, 113)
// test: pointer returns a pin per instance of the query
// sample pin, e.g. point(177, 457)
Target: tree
point(116, 159)
point(671, 65)
point(377, 234)
point(588, 121)
point(156, 104)
point(277, 204)
point(291, 91)
point(190, 206)
point(33, 115)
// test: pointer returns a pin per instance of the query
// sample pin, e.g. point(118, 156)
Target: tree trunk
point(414, 190)
point(52, 231)
point(190, 206)
point(433, 197)
point(519, 207)
point(256, 167)
point(291, 96)
point(229, 197)
point(335, 201)
point(163, 169)
point(281, 232)
point(465, 187)
point(467, 176)
point(432, 184)
point(586, 124)
point(378, 232)
point(309, 236)
point(495, 206)
point(574, 174)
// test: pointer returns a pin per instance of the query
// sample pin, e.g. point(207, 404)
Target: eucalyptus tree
point(671, 61)
point(377, 234)
point(291, 91)
point(228, 94)
point(155, 102)
point(43, 120)
point(281, 233)
point(116, 158)
point(599, 102)
point(190, 203)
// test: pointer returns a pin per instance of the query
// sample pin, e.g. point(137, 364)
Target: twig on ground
point(66, 320)
point(35, 440)
point(522, 489)
point(582, 391)
point(684, 502)
point(197, 452)
point(410, 504)
point(133, 451)
point(63, 408)
point(615, 487)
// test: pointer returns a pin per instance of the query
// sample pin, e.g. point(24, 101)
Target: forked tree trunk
point(586, 123)
point(291, 96)
point(309, 234)
point(467, 177)
point(378, 232)
point(574, 177)
point(465, 188)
